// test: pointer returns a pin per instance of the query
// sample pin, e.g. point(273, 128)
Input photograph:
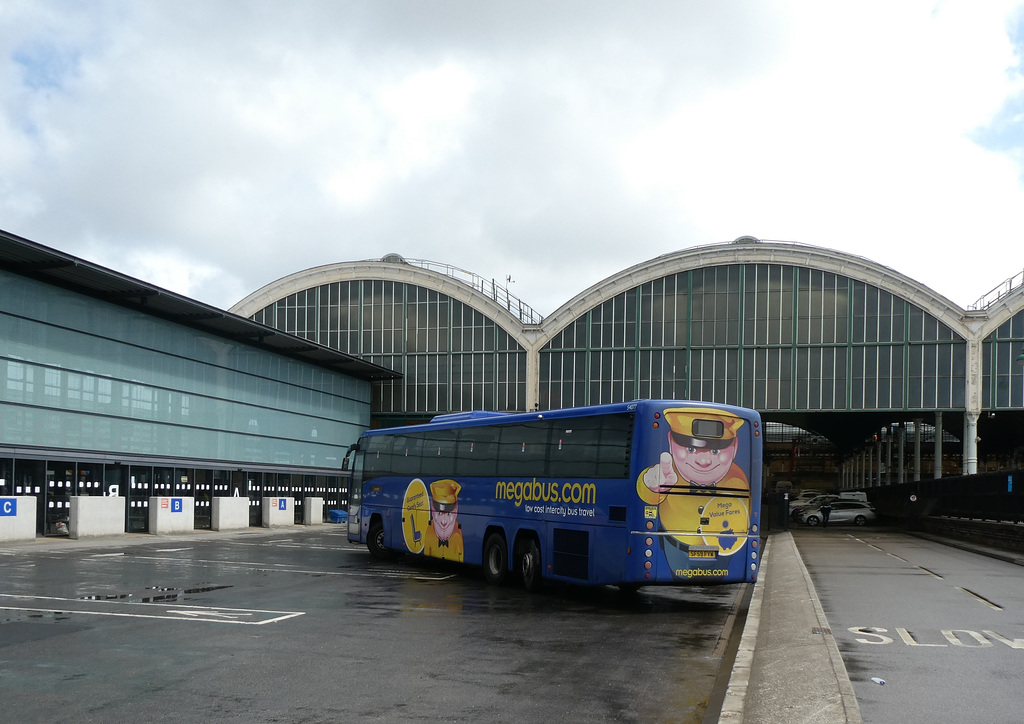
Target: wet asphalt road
point(942, 627)
point(301, 626)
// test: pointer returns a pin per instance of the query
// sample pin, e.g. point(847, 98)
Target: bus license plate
point(703, 552)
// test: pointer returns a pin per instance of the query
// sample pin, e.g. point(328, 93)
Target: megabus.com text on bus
point(522, 491)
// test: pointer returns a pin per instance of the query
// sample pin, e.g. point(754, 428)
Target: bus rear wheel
point(495, 559)
point(375, 541)
point(529, 564)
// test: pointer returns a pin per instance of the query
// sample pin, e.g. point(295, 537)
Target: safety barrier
point(994, 497)
point(987, 508)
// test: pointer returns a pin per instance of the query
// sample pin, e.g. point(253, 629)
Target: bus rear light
point(649, 541)
point(647, 565)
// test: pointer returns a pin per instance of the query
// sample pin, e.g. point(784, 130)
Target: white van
point(805, 495)
point(853, 495)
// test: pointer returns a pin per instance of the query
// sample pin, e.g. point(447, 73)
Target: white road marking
point(963, 638)
point(208, 614)
point(976, 597)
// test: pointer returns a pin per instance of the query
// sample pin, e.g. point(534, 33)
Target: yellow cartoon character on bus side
point(701, 494)
point(443, 539)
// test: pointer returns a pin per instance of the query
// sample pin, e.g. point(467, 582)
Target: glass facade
point(774, 337)
point(452, 356)
point(80, 374)
point(53, 482)
point(1003, 375)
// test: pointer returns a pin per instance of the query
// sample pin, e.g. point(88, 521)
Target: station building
point(110, 386)
point(866, 371)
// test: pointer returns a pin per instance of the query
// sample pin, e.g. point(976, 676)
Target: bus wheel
point(629, 588)
point(375, 541)
point(529, 564)
point(495, 559)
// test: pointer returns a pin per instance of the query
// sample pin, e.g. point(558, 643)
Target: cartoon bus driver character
point(699, 492)
point(443, 538)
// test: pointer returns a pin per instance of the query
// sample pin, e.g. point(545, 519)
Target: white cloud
point(414, 123)
point(221, 148)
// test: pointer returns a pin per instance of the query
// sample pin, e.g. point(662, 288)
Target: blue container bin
point(338, 516)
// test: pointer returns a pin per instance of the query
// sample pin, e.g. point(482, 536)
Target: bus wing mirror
point(354, 447)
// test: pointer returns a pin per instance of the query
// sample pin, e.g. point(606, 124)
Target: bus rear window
point(708, 428)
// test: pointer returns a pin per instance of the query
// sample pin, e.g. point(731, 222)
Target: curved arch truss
point(829, 342)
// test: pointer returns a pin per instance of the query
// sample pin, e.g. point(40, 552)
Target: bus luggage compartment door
point(570, 556)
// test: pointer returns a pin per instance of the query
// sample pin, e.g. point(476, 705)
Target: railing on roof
point(987, 300)
point(488, 287)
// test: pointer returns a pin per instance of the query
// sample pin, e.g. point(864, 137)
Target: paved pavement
point(788, 667)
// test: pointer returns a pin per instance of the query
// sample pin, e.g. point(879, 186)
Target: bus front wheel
point(529, 564)
point(495, 559)
point(375, 541)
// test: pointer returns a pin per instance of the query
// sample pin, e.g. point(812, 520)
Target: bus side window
point(614, 446)
point(574, 449)
point(523, 449)
point(477, 452)
point(376, 457)
point(439, 453)
point(592, 447)
point(407, 455)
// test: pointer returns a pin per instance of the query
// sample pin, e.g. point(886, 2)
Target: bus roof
point(472, 415)
point(486, 417)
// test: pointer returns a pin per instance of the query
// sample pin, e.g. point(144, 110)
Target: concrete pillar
point(973, 396)
point(532, 379)
point(878, 454)
point(937, 473)
point(970, 462)
point(901, 439)
point(532, 343)
point(888, 456)
point(917, 448)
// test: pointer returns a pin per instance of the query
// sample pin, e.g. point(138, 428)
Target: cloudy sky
point(214, 146)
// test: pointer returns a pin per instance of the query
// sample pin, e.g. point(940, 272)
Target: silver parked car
point(798, 506)
point(843, 511)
